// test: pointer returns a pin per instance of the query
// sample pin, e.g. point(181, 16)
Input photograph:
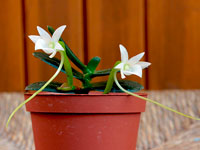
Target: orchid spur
point(134, 66)
point(50, 45)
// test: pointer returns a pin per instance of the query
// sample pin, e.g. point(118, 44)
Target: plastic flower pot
point(91, 121)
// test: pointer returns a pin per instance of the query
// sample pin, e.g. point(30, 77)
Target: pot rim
point(92, 93)
point(94, 102)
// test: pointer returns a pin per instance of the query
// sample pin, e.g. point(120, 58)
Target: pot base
point(85, 131)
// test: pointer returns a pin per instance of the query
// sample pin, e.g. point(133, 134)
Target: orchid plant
point(53, 44)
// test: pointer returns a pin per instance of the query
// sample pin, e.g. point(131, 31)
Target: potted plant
point(67, 117)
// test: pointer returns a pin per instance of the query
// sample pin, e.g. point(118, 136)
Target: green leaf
point(54, 62)
point(98, 86)
point(131, 86)
point(52, 87)
point(71, 55)
point(101, 73)
point(93, 63)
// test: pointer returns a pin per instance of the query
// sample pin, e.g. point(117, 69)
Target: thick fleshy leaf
point(93, 63)
point(98, 86)
point(54, 62)
point(126, 84)
point(58, 32)
point(101, 73)
point(52, 87)
point(124, 53)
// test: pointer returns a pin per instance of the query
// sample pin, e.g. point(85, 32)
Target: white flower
point(132, 65)
point(48, 44)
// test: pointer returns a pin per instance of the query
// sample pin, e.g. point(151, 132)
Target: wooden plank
point(54, 13)
point(11, 41)
point(173, 35)
point(110, 23)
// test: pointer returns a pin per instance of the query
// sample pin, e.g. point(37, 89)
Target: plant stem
point(152, 101)
point(67, 66)
point(110, 81)
point(37, 92)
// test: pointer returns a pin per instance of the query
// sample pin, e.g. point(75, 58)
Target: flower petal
point(135, 59)
point(49, 50)
point(58, 46)
point(57, 34)
point(41, 44)
point(120, 66)
point(136, 70)
point(34, 38)
point(124, 53)
point(53, 54)
point(122, 74)
point(43, 34)
point(144, 64)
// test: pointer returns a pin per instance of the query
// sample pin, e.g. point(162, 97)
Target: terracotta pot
point(91, 121)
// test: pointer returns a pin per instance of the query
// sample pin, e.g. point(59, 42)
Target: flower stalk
point(110, 81)
point(152, 101)
point(68, 69)
point(37, 92)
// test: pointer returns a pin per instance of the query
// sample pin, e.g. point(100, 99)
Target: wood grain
point(96, 28)
point(110, 23)
point(11, 41)
point(53, 13)
point(173, 37)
